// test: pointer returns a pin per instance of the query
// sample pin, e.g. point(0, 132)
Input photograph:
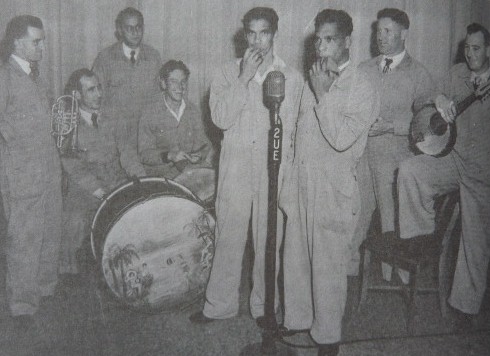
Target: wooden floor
point(83, 320)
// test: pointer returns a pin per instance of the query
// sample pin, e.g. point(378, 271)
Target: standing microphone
point(274, 87)
point(273, 96)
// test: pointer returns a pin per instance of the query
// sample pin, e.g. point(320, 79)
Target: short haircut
point(172, 65)
point(339, 17)
point(261, 13)
point(16, 29)
point(476, 27)
point(74, 80)
point(126, 13)
point(396, 15)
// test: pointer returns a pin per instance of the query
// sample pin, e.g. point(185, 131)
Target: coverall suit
point(243, 181)
point(321, 201)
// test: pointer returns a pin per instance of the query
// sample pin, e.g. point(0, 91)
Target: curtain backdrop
point(205, 33)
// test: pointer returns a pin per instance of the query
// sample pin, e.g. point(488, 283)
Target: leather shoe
point(328, 349)
point(200, 318)
point(285, 332)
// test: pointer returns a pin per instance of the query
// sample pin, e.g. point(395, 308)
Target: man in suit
point(466, 167)
point(128, 73)
point(320, 197)
point(93, 170)
point(401, 80)
point(30, 173)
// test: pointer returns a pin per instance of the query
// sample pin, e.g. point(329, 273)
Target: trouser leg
point(470, 278)
point(233, 217)
point(420, 180)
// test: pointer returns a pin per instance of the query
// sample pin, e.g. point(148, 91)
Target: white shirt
point(177, 115)
point(484, 76)
point(25, 65)
point(397, 59)
point(87, 117)
point(127, 51)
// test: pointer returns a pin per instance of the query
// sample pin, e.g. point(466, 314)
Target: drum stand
point(268, 322)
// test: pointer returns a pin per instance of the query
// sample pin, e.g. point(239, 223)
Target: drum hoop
point(122, 186)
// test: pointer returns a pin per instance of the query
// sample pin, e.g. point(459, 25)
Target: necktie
point(34, 70)
point(476, 82)
point(94, 120)
point(133, 59)
point(388, 62)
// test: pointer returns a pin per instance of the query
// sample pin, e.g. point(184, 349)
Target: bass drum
point(153, 243)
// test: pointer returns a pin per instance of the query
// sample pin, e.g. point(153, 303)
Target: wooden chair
point(413, 255)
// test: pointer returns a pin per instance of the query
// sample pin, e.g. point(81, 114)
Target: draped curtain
point(205, 33)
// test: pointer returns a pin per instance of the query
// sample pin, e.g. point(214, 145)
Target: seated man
point(93, 170)
point(467, 168)
point(171, 133)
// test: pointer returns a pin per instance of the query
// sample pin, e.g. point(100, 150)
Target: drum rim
point(128, 184)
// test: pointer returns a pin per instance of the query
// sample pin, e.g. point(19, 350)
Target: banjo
point(432, 135)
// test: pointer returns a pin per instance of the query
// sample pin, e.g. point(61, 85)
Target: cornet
point(64, 120)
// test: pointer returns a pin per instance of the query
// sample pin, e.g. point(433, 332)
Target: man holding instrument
point(93, 169)
point(171, 133)
point(466, 167)
point(237, 108)
point(320, 197)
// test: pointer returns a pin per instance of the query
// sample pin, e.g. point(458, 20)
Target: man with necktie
point(30, 173)
point(93, 170)
point(128, 72)
point(466, 167)
point(401, 80)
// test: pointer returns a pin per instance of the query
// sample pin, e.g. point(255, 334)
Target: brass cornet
point(64, 120)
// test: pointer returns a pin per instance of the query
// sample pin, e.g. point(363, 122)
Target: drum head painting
point(158, 254)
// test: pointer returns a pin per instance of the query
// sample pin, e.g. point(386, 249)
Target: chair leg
point(364, 274)
point(412, 305)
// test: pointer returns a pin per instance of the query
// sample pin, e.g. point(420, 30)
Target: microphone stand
point(268, 322)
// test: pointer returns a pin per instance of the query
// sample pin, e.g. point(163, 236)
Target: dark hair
point(261, 13)
point(74, 80)
point(338, 17)
point(129, 12)
point(17, 28)
point(172, 65)
point(396, 15)
point(476, 27)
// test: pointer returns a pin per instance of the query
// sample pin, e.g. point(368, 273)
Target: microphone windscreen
point(274, 87)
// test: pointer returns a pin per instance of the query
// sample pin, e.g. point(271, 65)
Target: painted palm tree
point(121, 258)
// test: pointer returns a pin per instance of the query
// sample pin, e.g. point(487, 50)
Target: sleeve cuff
point(164, 157)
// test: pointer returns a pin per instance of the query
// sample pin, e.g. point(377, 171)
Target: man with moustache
point(466, 167)
point(93, 170)
point(401, 81)
point(171, 134)
point(237, 108)
point(30, 173)
point(320, 197)
point(128, 73)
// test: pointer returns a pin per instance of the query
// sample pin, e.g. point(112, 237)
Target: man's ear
point(163, 85)
point(78, 95)
point(404, 34)
point(348, 42)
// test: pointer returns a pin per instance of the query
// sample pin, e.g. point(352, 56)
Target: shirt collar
point(87, 117)
point(484, 76)
point(343, 66)
point(397, 59)
point(177, 115)
point(25, 65)
point(127, 51)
